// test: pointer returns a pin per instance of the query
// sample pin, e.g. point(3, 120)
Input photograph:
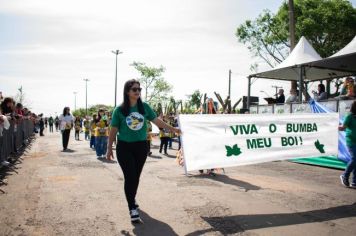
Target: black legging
point(148, 146)
point(132, 158)
point(77, 135)
point(164, 144)
point(65, 138)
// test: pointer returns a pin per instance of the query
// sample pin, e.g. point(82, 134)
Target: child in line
point(77, 127)
point(86, 128)
point(164, 136)
point(92, 132)
point(101, 134)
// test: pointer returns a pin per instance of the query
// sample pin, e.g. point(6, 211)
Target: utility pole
point(86, 96)
point(230, 84)
point(116, 52)
point(75, 100)
point(292, 33)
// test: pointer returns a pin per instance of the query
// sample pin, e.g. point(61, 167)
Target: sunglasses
point(136, 89)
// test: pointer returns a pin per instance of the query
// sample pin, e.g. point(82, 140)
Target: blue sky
point(49, 47)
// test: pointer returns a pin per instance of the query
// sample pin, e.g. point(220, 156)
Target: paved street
point(73, 193)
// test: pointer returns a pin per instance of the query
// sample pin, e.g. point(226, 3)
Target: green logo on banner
point(319, 146)
point(234, 150)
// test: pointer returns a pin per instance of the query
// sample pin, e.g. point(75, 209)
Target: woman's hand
point(176, 130)
point(109, 154)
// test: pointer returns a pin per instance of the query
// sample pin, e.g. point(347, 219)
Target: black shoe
point(344, 181)
point(135, 216)
point(160, 151)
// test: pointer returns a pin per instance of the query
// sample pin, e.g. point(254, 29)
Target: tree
point(21, 97)
point(328, 24)
point(195, 99)
point(92, 110)
point(155, 86)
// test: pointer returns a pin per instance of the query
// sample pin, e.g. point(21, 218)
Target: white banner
point(216, 141)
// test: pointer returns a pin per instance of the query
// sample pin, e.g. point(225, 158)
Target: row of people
point(13, 114)
point(348, 91)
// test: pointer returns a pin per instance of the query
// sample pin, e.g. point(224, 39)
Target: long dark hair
point(65, 111)
point(98, 116)
point(353, 108)
point(322, 88)
point(5, 109)
point(125, 105)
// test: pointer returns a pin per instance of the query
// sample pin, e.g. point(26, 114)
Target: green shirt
point(133, 127)
point(350, 123)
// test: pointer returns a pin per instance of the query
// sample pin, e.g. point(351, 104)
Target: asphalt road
point(50, 192)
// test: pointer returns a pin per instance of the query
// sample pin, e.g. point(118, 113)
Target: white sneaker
point(5, 163)
point(135, 216)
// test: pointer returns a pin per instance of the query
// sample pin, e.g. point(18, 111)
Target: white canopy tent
point(343, 61)
point(305, 64)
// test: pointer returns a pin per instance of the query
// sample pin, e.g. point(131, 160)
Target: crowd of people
point(96, 129)
point(129, 126)
point(348, 91)
point(13, 113)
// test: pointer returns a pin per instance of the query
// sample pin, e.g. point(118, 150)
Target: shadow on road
point(152, 227)
point(227, 180)
point(155, 156)
point(107, 161)
point(69, 150)
point(14, 160)
point(241, 223)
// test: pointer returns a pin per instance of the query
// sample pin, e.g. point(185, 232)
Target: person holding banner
point(130, 119)
point(350, 127)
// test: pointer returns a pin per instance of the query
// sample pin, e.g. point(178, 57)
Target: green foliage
point(328, 24)
point(195, 99)
point(155, 87)
point(92, 110)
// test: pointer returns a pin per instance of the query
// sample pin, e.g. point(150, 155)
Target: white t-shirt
point(5, 124)
point(66, 121)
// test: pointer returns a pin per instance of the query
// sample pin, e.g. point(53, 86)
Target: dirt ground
point(50, 192)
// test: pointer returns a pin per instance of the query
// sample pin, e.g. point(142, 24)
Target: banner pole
point(181, 146)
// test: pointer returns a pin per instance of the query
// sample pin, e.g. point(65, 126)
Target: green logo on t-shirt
point(135, 121)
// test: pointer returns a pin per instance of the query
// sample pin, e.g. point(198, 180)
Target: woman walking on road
point(350, 127)
point(66, 122)
point(130, 119)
